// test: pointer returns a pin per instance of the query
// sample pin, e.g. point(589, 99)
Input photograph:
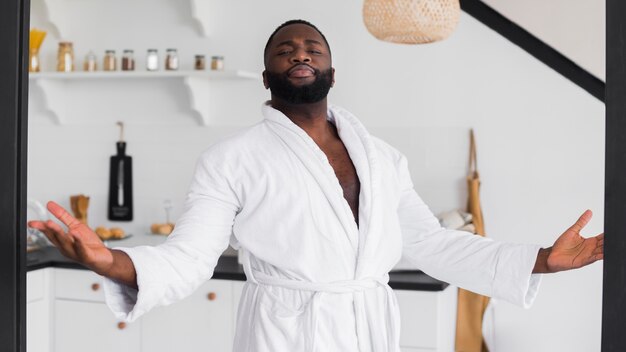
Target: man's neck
point(312, 118)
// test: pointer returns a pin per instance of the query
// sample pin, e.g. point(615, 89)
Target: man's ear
point(332, 83)
point(265, 84)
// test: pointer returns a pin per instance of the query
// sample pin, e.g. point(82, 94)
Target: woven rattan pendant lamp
point(411, 21)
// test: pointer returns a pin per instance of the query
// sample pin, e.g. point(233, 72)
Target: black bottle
point(120, 207)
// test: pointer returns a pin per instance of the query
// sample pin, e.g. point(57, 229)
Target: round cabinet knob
point(121, 325)
point(212, 296)
point(95, 287)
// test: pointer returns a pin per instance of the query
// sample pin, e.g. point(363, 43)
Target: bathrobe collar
point(360, 147)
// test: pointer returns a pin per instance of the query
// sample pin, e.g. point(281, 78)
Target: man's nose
point(300, 56)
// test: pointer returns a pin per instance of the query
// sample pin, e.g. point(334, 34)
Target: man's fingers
point(582, 221)
point(62, 214)
point(58, 230)
point(598, 250)
point(43, 227)
point(63, 241)
point(48, 233)
point(36, 224)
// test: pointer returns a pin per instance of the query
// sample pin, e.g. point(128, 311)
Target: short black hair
point(288, 23)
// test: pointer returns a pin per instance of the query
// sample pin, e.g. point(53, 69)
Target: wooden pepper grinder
point(79, 204)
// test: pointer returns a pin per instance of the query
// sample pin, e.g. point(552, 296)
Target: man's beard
point(281, 87)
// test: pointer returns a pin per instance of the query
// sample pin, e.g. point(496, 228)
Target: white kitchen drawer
point(418, 313)
point(38, 326)
point(428, 319)
point(35, 285)
point(203, 321)
point(237, 291)
point(83, 285)
point(89, 326)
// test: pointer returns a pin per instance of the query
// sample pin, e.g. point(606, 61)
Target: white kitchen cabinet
point(80, 285)
point(203, 322)
point(38, 311)
point(428, 320)
point(237, 290)
point(90, 326)
point(37, 327)
point(83, 322)
point(67, 313)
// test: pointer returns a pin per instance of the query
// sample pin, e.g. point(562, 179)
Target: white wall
point(575, 28)
point(540, 138)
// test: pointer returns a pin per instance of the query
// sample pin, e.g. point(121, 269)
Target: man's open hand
point(79, 243)
point(571, 250)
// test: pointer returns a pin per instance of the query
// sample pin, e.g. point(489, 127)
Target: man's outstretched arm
point(137, 279)
point(482, 265)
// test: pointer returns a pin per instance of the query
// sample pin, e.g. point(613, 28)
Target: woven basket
point(411, 21)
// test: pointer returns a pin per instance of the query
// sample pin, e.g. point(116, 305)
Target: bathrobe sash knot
point(372, 332)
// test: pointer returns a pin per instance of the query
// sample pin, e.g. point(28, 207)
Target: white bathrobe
point(316, 281)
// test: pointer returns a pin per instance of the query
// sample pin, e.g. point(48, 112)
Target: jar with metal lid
point(128, 60)
point(199, 63)
point(110, 61)
point(34, 64)
point(152, 60)
point(217, 63)
point(171, 60)
point(65, 57)
point(90, 63)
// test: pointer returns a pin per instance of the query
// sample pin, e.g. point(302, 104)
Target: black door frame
point(14, 26)
point(14, 29)
point(614, 287)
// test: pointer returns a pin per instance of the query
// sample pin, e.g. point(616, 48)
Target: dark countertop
point(229, 269)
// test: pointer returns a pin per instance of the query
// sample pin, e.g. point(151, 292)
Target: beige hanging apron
point(472, 306)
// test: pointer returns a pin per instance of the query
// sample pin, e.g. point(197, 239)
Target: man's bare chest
point(345, 171)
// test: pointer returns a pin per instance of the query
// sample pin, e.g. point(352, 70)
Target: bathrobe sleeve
point(173, 270)
point(478, 264)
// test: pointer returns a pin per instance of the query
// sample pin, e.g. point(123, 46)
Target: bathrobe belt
point(373, 333)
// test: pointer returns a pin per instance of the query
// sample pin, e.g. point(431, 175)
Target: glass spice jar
point(110, 62)
point(152, 60)
point(34, 64)
point(199, 63)
point(217, 63)
point(65, 57)
point(171, 60)
point(90, 63)
point(128, 60)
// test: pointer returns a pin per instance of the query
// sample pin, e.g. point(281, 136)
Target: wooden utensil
point(79, 204)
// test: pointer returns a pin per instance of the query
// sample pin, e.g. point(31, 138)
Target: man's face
point(298, 65)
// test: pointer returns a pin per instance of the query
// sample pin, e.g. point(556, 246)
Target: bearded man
point(321, 212)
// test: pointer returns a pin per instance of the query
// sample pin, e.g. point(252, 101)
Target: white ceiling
point(576, 28)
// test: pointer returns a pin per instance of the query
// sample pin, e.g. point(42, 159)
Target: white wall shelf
point(57, 16)
point(198, 84)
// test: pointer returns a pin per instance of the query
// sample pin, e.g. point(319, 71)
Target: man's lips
point(301, 71)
